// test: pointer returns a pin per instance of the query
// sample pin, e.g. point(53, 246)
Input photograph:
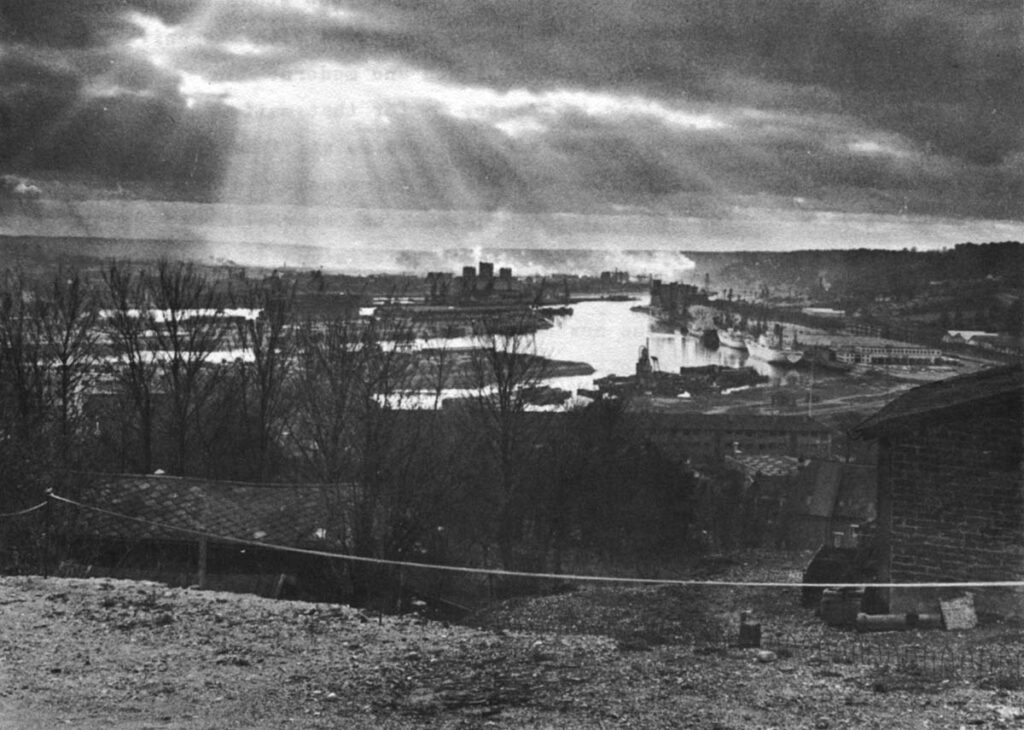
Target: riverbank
point(430, 321)
point(468, 368)
point(706, 380)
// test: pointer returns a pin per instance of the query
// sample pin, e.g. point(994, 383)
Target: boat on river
point(732, 338)
point(774, 351)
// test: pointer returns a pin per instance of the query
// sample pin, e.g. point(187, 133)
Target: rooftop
point(845, 340)
point(286, 515)
point(968, 334)
point(733, 422)
point(946, 396)
point(769, 465)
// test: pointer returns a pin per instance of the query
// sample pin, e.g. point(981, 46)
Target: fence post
point(201, 579)
point(202, 563)
point(47, 532)
point(43, 563)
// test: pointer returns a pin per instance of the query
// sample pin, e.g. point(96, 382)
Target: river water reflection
point(608, 336)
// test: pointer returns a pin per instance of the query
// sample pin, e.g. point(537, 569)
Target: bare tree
point(131, 363)
point(67, 314)
point(25, 446)
point(506, 367)
point(327, 366)
point(439, 370)
point(22, 359)
point(24, 414)
point(351, 385)
point(188, 325)
point(266, 333)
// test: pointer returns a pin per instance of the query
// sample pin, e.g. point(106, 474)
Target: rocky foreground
point(105, 653)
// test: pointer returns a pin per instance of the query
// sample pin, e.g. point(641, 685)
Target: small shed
point(831, 502)
point(805, 503)
point(950, 489)
point(767, 485)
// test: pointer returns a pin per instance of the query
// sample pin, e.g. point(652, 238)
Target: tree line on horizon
point(851, 277)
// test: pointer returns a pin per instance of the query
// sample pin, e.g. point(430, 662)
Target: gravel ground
point(105, 653)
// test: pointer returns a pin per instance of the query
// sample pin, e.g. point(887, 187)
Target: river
point(608, 336)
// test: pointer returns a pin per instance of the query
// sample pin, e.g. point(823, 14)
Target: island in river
point(468, 368)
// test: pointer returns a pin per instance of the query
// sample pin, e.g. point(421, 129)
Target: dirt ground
point(99, 653)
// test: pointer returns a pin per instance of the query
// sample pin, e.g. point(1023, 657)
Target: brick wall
point(957, 499)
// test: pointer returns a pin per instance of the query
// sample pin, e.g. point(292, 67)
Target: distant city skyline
point(515, 123)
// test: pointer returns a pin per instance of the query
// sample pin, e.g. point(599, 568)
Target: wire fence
point(913, 655)
point(22, 513)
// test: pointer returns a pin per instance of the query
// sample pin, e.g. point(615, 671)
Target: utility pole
point(810, 390)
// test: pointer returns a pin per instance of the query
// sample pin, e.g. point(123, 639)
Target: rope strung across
point(519, 574)
point(24, 511)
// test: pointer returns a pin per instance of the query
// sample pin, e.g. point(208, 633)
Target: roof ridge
point(946, 394)
point(210, 482)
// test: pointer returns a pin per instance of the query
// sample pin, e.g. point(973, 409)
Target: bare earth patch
point(106, 653)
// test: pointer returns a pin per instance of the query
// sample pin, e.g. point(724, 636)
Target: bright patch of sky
point(874, 147)
point(312, 8)
point(367, 91)
point(159, 42)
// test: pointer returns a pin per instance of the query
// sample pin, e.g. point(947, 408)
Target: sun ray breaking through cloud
point(533, 123)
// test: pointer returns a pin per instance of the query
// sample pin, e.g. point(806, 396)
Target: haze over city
point(507, 124)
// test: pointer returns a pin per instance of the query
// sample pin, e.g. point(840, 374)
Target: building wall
point(955, 503)
point(880, 355)
point(709, 439)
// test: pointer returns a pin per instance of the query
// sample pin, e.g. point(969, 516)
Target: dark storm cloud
point(865, 105)
point(946, 73)
point(72, 101)
point(57, 24)
point(31, 94)
point(133, 135)
point(81, 24)
point(942, 79)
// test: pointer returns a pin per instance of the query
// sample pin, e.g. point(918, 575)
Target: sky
point(681, 124)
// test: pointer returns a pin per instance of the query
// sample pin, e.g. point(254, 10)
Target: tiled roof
point(946, 395)
point(308, 516)
point(769, 465)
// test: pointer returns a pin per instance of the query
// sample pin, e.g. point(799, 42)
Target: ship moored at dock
point(774, 351)
point(732, 338)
